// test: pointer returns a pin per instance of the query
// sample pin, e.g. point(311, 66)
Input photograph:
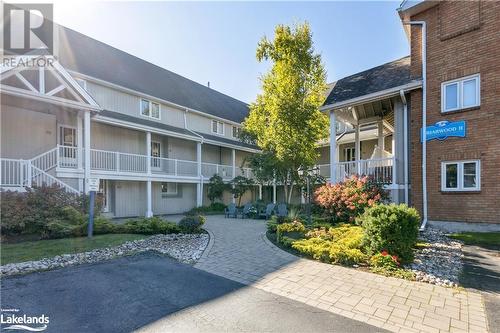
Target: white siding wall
point(114, 100)
point(130, 198)
point(26, 133)
point(107, 137)
point(184, 201)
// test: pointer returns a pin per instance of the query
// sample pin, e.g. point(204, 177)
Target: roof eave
point(391, 92)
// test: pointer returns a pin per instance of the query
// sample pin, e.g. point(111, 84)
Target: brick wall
point(463, 38)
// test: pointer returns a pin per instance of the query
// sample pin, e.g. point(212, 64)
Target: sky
point(216, 41)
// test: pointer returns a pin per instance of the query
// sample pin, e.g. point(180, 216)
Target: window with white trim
point(217, 127)
point(461, 93)
point(236, 132)
point(150, 109)
point(169, 188)
point(461, 176)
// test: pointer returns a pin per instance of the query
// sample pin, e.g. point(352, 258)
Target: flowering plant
point(348, 199)
point(385, 260)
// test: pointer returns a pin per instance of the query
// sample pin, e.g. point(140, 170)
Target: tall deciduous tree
point(285, 119)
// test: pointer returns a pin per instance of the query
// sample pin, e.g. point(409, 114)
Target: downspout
point(405, 142)
point(190, 131)
point(424, 118)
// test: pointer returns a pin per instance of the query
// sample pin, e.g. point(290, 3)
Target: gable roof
point(91, 57)
point(392, 74)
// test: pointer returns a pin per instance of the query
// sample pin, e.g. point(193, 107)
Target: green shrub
point(149, 226)
point(393, 228)
point(192, 224)
point(58, 229)
point(272, 226)
point(294, 230)
point(213, 208)
point(30, 212)
point(338, 245)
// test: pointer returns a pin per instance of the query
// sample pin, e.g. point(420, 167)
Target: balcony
point(381, 169)
point(103, 161)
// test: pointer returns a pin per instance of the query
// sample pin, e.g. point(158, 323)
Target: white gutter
point(405, 142)
point(391, 92)
point(424, 118)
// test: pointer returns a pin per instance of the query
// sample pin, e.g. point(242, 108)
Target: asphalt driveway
point(153, 293)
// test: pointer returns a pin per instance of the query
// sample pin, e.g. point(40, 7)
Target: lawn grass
point(488, 239)
point(35, 250)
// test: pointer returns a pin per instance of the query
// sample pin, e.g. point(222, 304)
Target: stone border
point(185, 248)
point(208, 248)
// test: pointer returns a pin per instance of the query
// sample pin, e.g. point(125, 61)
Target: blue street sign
point(444, 129)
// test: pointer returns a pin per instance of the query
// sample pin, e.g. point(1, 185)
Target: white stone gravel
point(186, 248)
point(441, 262)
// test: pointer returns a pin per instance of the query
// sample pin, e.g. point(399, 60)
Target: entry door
point(349, 154)
point(105, 195)
point(155, 152)
point(68, 141)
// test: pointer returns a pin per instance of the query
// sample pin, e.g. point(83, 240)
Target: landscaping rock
point(440, 262)
point(186, 248)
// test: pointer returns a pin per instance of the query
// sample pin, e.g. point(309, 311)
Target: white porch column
point(381, 143)
point(148, 152)
point(79, 149)
point(86, 125)
point(233, 157)
point(199, 185)
point(333, 148)
point(357, 150)
point(260, 192)
point(149, 209)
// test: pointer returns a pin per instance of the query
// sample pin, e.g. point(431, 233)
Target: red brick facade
point(463, 38)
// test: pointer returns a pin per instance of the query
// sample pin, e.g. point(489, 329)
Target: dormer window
point(150, 109)
point(217, 127)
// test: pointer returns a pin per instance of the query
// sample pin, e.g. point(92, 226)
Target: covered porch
point(370, 139)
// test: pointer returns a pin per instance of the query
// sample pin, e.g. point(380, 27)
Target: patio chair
point(268, 212)
point(282, 210)
point(231, 211)
point(246, 210)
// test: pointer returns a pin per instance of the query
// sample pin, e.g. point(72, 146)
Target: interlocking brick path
point(239, 250)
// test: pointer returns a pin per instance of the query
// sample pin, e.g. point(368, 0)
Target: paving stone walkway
point(239, 250)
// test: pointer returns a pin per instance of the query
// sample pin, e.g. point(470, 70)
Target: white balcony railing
point(210, 169)
point(112, 161)
point(381, 169)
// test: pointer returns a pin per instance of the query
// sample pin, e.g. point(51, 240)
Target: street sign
point(444, 129)
point(93, 184)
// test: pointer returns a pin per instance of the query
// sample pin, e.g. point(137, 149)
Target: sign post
point(93, 184)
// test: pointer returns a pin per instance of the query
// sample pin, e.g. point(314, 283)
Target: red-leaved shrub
point(346, 200)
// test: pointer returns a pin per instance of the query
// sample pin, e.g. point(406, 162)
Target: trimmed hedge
point(392, 228)
point(192, 223)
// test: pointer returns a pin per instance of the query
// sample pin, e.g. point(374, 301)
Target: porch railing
point(112, 161)
point(381, 169)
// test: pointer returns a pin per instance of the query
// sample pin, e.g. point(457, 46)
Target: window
point(461, 176)
point(169, 188)
point(460, 94)
point(67, 136)
point(349, 154)
point(155, 154)
point(217, 127)
point(236, 132)
point(150, 109)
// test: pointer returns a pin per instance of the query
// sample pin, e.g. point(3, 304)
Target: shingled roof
point(392, 74)
point(91, 57)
